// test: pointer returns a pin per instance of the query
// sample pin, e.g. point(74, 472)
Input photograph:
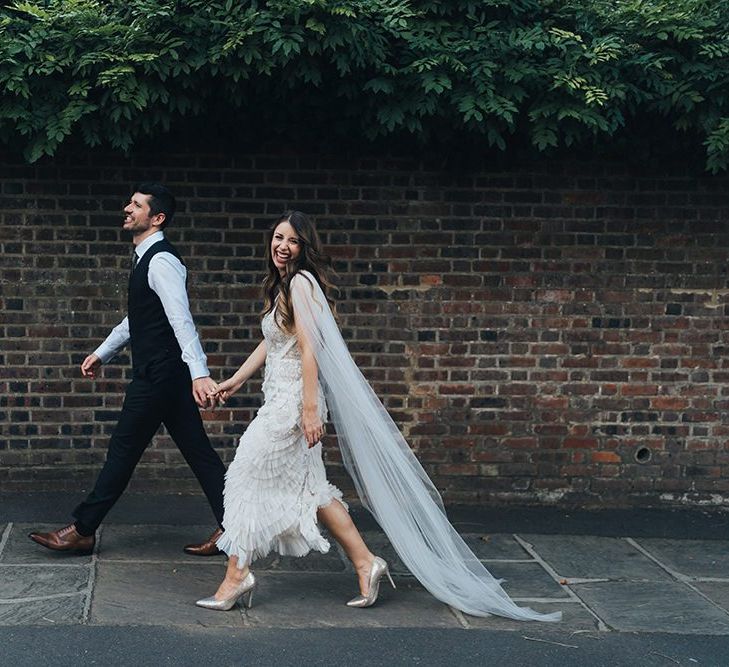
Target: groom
point(170, 377)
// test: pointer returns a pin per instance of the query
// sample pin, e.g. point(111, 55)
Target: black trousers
point(161, 394)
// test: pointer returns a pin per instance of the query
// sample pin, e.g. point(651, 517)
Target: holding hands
point(203, 389)
point(223, 391)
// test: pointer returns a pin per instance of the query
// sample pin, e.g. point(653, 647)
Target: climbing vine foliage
point(558, 72)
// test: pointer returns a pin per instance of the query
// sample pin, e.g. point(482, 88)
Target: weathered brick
point(527, 329)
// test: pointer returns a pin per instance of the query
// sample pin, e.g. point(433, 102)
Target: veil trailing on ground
point(389, 480)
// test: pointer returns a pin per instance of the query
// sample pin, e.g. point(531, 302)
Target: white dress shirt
point(166, 278)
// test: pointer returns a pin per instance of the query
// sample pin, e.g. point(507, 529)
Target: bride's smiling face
point(285, 246)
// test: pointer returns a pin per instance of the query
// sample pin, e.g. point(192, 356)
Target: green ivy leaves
point(559, 71)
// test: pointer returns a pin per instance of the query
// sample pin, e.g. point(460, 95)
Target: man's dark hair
point(161, 200)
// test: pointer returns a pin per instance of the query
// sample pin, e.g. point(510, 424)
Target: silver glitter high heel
point(379, 567)
point(244, 590)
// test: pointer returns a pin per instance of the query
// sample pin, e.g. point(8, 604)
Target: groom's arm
point(166, 277)
point(114, 342)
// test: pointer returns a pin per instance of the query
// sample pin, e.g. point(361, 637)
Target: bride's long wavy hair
point(276, 288)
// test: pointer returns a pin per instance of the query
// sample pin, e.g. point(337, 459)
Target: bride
point(276, 491)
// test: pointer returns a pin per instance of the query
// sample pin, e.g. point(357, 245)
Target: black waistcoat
point(151, 336)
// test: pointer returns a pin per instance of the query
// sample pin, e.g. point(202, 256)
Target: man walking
point(170, 378)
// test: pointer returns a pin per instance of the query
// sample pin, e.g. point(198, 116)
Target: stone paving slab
point(694, 558)
point(716, 591)
point(40, 581)
point(588, 557)
point(38, 586)
point(495, 546)
point(164, 544)
point(653, 606)
point(312, 562)
point(157, 594)
point(485, 546)
point(54, 611)
point(21, 549)
point(149, 543)
point(319, 601)
point(526, 580)
point(142, 577)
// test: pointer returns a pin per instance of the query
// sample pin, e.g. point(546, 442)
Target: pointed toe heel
point(377, 571)
point(243, 592)
point(217, 605)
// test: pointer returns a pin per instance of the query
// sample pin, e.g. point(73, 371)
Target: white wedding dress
point(276, 483)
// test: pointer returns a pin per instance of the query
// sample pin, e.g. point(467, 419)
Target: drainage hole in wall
point(643, 455)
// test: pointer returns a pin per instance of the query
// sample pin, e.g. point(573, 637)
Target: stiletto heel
point(244, 590)
point(378, 569)
point(248, 599)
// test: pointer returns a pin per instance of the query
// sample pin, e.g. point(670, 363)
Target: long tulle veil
point(388, 478)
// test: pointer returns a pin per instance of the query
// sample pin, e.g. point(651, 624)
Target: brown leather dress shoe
point(207, 548)
point(66, 539)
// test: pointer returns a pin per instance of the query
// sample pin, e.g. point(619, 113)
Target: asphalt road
point(121, 646)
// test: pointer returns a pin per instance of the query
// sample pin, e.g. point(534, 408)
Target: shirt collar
point(148, 243)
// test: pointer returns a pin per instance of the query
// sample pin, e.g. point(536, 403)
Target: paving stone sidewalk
point(139, 575)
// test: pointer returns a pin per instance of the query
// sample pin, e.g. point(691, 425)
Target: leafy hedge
point(561, 72)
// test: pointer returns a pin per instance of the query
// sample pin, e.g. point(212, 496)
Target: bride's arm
point(255, 360)
point(310, 421)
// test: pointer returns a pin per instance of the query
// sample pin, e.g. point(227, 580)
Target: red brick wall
point(543, 332)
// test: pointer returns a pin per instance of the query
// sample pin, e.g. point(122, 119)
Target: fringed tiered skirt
point(274, 487)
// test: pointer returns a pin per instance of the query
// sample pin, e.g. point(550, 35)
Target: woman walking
point(276, 489)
